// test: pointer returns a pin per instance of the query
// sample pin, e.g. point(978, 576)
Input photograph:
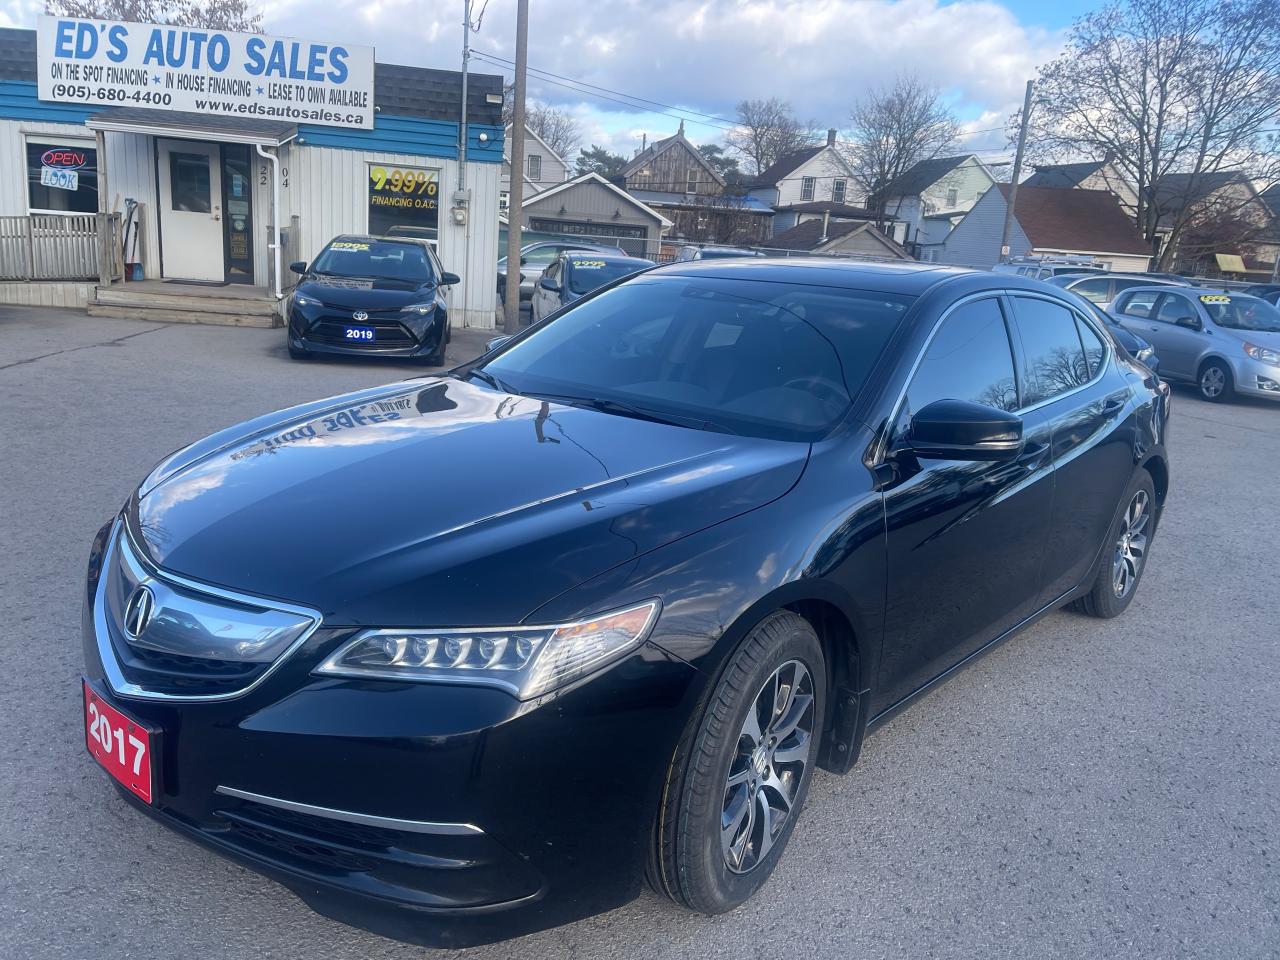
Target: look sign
point(248, 75)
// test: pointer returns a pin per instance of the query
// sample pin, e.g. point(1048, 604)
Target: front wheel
point(1215, 382)
point(739, 777)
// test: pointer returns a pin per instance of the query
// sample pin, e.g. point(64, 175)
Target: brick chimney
point(831, 136)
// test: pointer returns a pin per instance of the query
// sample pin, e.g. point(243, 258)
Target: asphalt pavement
point(1089, 789)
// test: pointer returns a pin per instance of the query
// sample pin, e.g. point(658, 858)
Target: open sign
point(63, 158)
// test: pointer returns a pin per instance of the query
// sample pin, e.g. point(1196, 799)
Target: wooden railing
point(54, 246)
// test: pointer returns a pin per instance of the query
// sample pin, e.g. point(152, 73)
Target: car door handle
point(1114, 403)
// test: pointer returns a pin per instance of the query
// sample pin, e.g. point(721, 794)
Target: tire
point(1215, 383)
point(1106, 599)
point(689, 864)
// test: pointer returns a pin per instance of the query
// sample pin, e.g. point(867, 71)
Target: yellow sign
point(587, 264)
point(1215, 298)
point(404, 181)
point(348, 245)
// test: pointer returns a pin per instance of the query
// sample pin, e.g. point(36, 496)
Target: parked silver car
point(1103, 288)
point(1224, 343)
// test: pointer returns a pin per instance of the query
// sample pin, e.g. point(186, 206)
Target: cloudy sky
point(697, 59)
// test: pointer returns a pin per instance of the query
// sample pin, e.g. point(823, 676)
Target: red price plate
point(121, 744)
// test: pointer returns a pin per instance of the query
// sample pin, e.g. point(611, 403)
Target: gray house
point(591, 206)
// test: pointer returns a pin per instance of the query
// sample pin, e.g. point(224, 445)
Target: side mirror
point(523, 261)
point(963, 430)
point(448, 279)
point(1191, 323)
point(299, 267)
point(495, 343)
point(547, 283)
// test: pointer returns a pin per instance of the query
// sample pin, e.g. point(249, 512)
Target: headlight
point(1263, 354)
point(525, 661)
point(422, 309)
point(299, 300)
point(1145, 354)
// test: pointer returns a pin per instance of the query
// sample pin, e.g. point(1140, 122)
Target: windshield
point(586, 274)
point(1242, 313)
point(758, 358)
point(379, 259)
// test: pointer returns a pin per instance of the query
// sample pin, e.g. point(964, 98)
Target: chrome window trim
point(882, 446)
point(348, 816)
point(106, 652)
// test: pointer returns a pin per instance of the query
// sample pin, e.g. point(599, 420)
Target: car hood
point(357, 293)
point(1260, 338)
point(441, 502)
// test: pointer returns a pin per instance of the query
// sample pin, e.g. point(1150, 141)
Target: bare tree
point(892, 129)
point(1173, 92)
point(767, 131)
point(213, 14)
point(559, 129)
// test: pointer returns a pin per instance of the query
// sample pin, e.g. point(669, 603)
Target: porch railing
point(55, 246)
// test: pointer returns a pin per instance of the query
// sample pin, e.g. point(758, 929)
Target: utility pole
point(515, 208)
point(1017, 172)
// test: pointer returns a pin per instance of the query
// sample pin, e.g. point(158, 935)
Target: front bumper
point(1256, 379)
point(440, 815)
point(399, 335)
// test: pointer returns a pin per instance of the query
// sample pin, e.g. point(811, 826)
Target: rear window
point(757, 358)
point(377, 259)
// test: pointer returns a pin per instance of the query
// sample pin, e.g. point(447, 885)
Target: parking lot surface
point(1090, 789)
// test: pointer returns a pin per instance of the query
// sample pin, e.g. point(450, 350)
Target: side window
point(968, 359)
point(1124, 284)
point(1139, 305)
point(1094, 350)
point(1054, 356)
point(1098, 289)
point(1174, 308)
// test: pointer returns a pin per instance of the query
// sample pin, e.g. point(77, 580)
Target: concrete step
point(194, 302)
point(173, 313)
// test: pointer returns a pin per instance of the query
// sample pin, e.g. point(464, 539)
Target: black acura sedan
point(380, 296)
point(467, 656)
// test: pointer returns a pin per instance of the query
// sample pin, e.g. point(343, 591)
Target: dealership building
point(151, 170)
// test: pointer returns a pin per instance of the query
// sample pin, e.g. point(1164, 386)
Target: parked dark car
point(575, 274)
point(1222, 342)
point(536, 257)
point(371, 296)
point(473, 655)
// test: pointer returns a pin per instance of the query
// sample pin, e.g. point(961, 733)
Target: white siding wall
point(825, 168)
point(328, 193)
point(975, 241)
point(131, 172)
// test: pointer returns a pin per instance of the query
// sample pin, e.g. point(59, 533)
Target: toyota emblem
point(138, 612)
point(359, 315)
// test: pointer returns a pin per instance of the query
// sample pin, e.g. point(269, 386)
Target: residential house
point(674, 178)
point(1047, 222)
point(1205, 216)
point(590, 206)
point(1087, 175)
point(943, 188)
point(817, 174)
point(543, 167)
point(843, 237)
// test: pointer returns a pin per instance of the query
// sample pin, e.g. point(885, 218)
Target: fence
point(51, 246)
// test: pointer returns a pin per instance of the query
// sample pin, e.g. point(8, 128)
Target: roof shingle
point(1090, 221)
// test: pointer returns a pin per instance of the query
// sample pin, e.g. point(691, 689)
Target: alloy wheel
point(1212, 382)
point(1131, 548)
point(768, 767)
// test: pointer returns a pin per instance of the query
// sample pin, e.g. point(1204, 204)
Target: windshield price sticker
point(59, 178)
point(1215, 298)
point(587, 264)
point(348, 245)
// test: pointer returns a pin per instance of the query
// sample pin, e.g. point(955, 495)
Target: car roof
point(906, 278)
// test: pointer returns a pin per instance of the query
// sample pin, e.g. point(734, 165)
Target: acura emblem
point(137, 613)
point(359, 315)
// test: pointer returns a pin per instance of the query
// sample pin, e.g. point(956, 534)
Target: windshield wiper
point(620, 408)
point(491, 380)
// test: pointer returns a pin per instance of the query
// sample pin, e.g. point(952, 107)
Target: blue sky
point(701, 57)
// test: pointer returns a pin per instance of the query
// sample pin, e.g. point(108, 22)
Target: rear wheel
point(739, 778)
point(1126, 557)
point(1215, 382)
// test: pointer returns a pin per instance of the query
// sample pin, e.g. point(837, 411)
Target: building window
point(504, 201)
point(535, 167)
point(691, 183)
point(953, 197)
point(806, 188)
point(404, 200)
point(837, 190)
point(62, 177)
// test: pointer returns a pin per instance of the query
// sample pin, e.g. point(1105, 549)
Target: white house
point(812, 175)
point(943, 188)
point(543, 167)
